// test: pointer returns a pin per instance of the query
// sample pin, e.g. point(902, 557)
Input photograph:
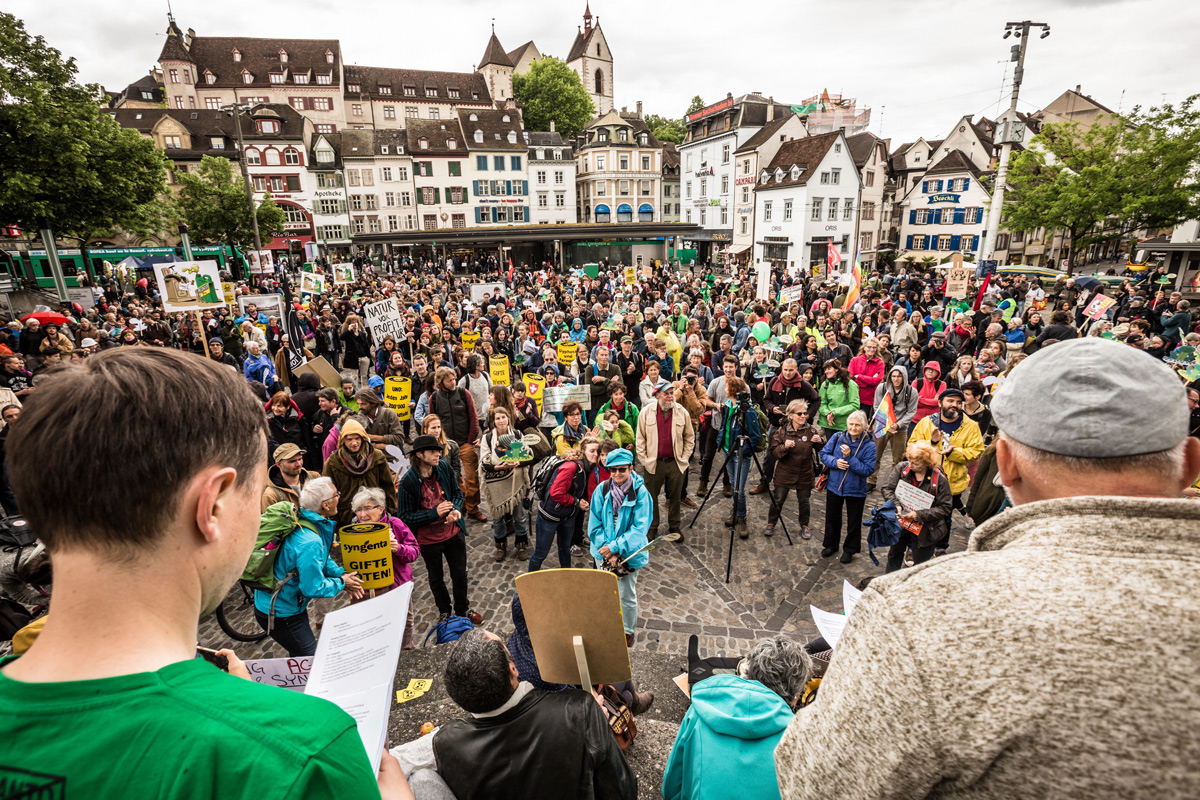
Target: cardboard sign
point(791, 294)
point(957, 278)
point(912, 498)
point(630, 275)
point(286, 673)
point(312, 283)
point(83, 296)
point(343, 273)
point(534, 386)
point(567, 351)
point(499, 371)
point(560, 604)
point(367, 550)
point(260, 262)
point(189, 285)
point(481, 293)
point(322, 369)
point(558, 396)
point(230, 295)
point(383, 318)
point(397, 393)
point(1099, 306)
point(469, 338)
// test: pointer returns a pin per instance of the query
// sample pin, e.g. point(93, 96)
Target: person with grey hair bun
point(989, 674)
point(730, 732)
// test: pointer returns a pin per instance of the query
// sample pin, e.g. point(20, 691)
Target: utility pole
point(236, 110)
point(1011, 131)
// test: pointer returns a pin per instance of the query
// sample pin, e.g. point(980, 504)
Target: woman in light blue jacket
point(619, 521)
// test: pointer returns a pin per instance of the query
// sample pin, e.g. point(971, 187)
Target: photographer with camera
point(618, 528)
point(739, 436)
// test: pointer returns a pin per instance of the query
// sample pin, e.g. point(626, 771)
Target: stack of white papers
point(831, 625)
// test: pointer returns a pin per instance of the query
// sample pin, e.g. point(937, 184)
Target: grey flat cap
point(1083, 398)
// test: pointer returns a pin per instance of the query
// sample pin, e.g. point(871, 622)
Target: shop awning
point(739, 249)
point(776, 244)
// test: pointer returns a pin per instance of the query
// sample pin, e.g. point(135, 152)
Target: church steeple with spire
point(587, 17)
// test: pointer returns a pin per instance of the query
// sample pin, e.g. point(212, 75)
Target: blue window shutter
point(939, 186)
point(925, 187)
point(937, 217)
point(955, 241)
point(928, 238)
point(958, 215)
point(966, 183)
point(508, 187)
point(912, 217)
point(526, 217)
point(909, 246)
point(974, 243)
point(525, 188)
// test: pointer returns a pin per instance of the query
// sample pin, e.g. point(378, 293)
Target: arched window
point(599, 81)
point(587, 213)
point(272, 157)
point(452, 144)
point(624, 213)
point(291, 156)
point(645, 213)
point(478, 135)
point(253, 157)
point(602, 213)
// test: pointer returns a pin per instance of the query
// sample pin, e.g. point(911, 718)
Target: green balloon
point(761, 331)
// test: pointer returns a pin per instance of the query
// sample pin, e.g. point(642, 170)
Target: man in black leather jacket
point(521, 742)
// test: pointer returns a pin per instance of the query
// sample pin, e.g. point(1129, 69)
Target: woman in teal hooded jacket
point(618, 536)
point(726, 744)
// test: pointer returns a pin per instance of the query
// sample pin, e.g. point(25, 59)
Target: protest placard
point(791, 294)
point(230, 294)
point(1099, 306)
point(323, 370)
point(189, 285)
point(383, 318)
point(343, 273)
point(631, 275)
point(366, 549)
point(567, 352)
point(482, 293)
point(498, 370)
point(284, 673)
point(312, 283)
point(534, 384)
point(397, 393)
point(469, 338)
point(957, 278)
point(269, 304)
point(556, 397)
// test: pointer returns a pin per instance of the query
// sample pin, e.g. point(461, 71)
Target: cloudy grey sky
point(919, 66)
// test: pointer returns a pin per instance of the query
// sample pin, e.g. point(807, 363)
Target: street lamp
point(236, 109)
point(1011, 132)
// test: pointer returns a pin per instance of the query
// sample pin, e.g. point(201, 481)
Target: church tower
point(497, 69)
point(593, 63)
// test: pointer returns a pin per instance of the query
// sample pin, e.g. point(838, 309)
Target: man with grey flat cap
point(1003, 672)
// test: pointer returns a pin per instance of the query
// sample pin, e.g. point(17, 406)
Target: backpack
point(763, 427)
point(543, 476)
point(884, 529)
point(449, 631)
point(277, 523)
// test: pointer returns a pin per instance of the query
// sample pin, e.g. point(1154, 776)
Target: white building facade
point(551, 179)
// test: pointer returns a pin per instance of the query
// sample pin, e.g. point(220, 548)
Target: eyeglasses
point(619, 469)
point(369, 508)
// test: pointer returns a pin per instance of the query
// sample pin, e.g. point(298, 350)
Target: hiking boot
point(641, 702)
point(478, 516)
point(475, 617)
point(501, 550)
point(828, 551)
point(760, 489)
point(702, 489)
point(740, 526)
point(728, 490)
point(522, 551)
point(687, 501)
point(728, 522)
point(847, 557)
point(769, 530)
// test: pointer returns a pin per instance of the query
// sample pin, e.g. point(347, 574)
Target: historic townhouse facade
point(619, 170)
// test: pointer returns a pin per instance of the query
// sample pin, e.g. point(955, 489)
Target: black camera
point(743, 396)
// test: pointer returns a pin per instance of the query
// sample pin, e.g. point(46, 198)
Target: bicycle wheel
point(238, 620)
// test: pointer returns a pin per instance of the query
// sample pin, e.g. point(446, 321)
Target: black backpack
point(543, 476)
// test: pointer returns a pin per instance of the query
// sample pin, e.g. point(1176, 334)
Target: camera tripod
point(742, 441)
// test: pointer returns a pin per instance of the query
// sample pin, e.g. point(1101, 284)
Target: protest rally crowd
point(1060, 421)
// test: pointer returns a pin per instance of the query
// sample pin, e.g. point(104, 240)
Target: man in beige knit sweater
point(1060, 655)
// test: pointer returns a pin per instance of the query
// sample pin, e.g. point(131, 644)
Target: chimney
point(187, 40)
point(771, 109)
point(639, 109)
point(552, 126)
point(624, 110)
point(1077, 86)
point(729, 95)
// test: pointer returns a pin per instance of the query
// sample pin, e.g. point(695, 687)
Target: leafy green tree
point(695, 105)
point(212, 201)
point(929, 262)
point(61, 156)
point(1110, 179)
point(666, 130)
point(552, 91)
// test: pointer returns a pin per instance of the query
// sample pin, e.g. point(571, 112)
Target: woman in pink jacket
point(369, 505)
point(867, 370)
point(928, 387)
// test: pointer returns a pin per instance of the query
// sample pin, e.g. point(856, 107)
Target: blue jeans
point(547, 530)
point(500, 529)
point(293, 633)
point(627, 589)
point(738, 470)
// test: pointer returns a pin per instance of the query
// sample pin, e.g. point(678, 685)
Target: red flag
point(510, 268)
point(834, 257)
point(982, 289)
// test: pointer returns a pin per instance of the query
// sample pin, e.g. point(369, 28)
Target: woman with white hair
point(303, 569)
point(729, 734)
point(850, 457)
point(258, 366)
point(370, 505)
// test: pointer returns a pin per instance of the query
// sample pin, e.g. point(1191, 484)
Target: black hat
point(423, 443)
point(951, 392)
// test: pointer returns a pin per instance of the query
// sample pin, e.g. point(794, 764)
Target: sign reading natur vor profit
point(383, 317)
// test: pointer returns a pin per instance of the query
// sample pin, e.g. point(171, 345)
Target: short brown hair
point(160, 416)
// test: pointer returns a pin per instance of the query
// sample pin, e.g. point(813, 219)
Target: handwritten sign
point(1099, 306)
point(791, 294)
point(383, 318)
point(558, 396)
point(286, 673)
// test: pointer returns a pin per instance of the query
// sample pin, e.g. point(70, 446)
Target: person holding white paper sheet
point(919, 471)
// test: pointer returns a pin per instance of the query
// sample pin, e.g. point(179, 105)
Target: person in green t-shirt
point(110, 701)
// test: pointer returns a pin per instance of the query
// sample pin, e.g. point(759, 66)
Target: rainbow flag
point(856, 281)
point(885, 415)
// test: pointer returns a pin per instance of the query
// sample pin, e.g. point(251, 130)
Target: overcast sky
point(918, 66)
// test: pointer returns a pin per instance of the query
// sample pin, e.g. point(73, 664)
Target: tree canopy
point(666, 130)
point(1103, 182)
point(61, 156)
point(695, 105)
point(212, 201)
point(552, 91)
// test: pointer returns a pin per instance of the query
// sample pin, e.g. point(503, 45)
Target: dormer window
point(423, 143)
point(383, 149)
point(328, 56)
point(353, 88)
point(506, 118)
point(410, 91)
point(478, 134)
point(474, 95)
point(642, 140)
point(602, 136)
point(778, 174)
point(622, 135)
point(282, 56)
point(540, 155)
point(453, 93)
point(385, 89)
point(326, 79)
point(217, 143)
point(795, 173)
point(512, 137)
point(237, 56)
point(267, 125)
point(325, 156)
point(430, 91)
point(278, 77)
point(474, 118)
point(452, 144)
point(247, 77)
point(762, 178)
point(300, 77)
point(209, 78)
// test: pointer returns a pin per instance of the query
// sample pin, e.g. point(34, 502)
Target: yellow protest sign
point(498, 369)
point(230, 296)
point(567, 352)
point(366, 549)
point(397, 392)
point(534, 386)
point(469, 338)
point(631, 275)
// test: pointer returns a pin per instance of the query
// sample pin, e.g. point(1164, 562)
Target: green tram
point(32, 267)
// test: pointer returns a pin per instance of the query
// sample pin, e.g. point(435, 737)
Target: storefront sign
point(704, 172)
point(944, 198)
point(713, 109)
point(745, 180)
point(501, 200)
point(721, 237)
